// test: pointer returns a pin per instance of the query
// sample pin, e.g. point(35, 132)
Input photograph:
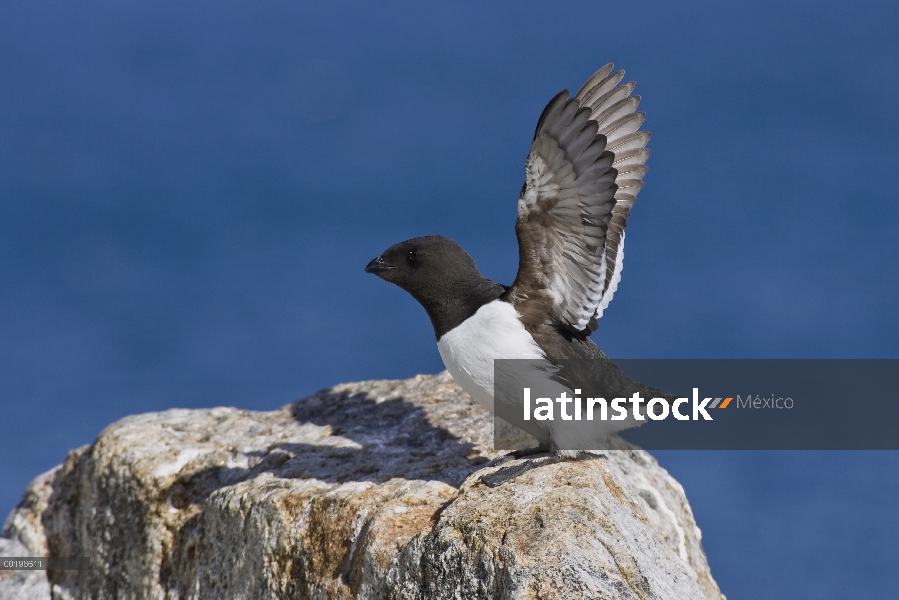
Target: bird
point(582, 174)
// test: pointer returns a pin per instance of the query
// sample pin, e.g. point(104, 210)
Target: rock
point(18, 584)
point(365, 490)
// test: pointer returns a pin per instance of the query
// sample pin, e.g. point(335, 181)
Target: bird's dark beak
point(377, 266)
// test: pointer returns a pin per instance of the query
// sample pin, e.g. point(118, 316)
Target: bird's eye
point(412, 256)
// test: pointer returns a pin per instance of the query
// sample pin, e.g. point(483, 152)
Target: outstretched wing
point(583, 173)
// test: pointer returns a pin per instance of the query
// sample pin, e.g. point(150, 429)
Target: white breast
point(493, 332)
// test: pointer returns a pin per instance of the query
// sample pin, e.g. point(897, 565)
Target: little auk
point(582, 175)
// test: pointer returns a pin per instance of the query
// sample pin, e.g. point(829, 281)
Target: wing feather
point(622, 144)
point(594, 95)
point(585, 167)
point(594, 81)
point(625, 125)
point(618, 110)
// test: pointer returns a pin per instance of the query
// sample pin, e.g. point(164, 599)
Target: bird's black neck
point(449, 308)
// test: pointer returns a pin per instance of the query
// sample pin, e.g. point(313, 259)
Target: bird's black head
point(425, 266)
point(438, 273)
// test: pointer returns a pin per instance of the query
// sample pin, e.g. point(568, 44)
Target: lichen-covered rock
point(365, 490)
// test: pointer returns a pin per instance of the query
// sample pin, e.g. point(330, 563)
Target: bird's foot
point(497, 478)
point(515, 455)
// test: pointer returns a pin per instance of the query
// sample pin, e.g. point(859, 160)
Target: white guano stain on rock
point(183, 457)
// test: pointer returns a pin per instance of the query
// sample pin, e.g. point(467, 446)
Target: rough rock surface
point(365, 490)
point(20, 585)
